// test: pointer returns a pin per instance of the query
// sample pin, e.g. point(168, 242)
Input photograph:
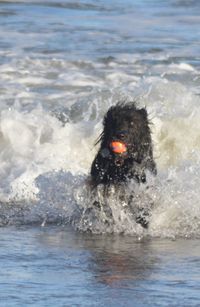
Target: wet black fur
point(127, 123)
point(124, 122)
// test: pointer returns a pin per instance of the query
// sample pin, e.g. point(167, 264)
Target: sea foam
point(47, 147)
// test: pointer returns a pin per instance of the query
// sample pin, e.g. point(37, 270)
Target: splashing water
point(46, 157)
point(45, 164)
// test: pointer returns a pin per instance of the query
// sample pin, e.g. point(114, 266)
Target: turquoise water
point(62, 65)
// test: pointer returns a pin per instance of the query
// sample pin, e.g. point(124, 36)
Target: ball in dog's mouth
point(118, 147)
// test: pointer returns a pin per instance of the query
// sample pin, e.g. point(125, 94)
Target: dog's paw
point(142, 220)
point(141, 216)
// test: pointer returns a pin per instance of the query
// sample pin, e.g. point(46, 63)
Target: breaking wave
point(47, 148)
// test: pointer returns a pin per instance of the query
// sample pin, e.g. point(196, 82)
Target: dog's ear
point(143, 112)
point(108, 117)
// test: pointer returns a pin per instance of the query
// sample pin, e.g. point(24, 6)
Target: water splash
point(47, 146)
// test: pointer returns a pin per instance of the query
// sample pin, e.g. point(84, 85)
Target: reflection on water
point(121, 268)
point(57, 266)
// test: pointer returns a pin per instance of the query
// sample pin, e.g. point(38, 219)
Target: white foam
point(42, 158)
point(183, 66)
point(36, 142)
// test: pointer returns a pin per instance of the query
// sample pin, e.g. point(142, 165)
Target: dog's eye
point(121, 134)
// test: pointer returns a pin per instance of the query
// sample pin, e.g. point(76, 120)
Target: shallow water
point(54, 266)
point(62, 65)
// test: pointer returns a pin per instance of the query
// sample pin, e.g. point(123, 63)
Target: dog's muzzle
point(119, 149)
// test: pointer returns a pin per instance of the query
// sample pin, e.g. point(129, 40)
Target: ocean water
point(62, 65)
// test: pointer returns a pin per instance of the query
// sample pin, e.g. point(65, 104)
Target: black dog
point(125, 148)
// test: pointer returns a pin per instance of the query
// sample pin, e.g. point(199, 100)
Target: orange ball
point(118, 147)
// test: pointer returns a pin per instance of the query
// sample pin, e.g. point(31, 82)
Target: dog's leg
point(141, 215)
point(99, 169)
point(101, 204)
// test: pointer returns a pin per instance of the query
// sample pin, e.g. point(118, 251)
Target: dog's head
point(126, 133)
point(125, 143)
